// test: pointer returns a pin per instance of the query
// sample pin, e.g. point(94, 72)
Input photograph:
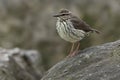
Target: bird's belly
point(69, 34)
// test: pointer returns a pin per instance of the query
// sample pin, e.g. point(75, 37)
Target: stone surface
point(17, 64)
point(95, 63)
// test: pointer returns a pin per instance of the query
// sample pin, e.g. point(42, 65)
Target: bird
point(72, 29)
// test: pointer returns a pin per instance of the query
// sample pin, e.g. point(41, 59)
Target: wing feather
point(80, 24)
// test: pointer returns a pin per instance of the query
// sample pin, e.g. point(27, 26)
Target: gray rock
point(94, 63)
point(17, 64)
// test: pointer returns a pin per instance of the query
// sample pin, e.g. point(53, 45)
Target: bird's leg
point(71, 50)
point(76, 50)
point(78, 46)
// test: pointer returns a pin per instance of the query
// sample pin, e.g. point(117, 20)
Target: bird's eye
point(64, 14)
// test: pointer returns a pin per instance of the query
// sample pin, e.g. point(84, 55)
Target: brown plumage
point(77, 22)
point(71, 28)
point(80, 24)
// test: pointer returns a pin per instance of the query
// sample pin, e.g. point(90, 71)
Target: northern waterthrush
point(72, 29)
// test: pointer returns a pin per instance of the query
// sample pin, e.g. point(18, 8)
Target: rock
point(17, 64)
point(94, 63)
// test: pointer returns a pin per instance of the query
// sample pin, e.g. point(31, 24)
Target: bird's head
point(63, 14)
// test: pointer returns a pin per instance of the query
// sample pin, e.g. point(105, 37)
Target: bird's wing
point(80, 24)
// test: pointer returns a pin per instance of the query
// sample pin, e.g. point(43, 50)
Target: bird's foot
point(72, 54)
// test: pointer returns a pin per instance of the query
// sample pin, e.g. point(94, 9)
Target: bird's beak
point(57, 15)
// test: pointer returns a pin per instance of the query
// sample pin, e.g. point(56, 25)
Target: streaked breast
point(67, 32)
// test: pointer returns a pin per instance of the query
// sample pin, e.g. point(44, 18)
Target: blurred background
point(28, 24)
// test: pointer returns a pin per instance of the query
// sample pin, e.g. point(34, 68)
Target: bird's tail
point(95, 30)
